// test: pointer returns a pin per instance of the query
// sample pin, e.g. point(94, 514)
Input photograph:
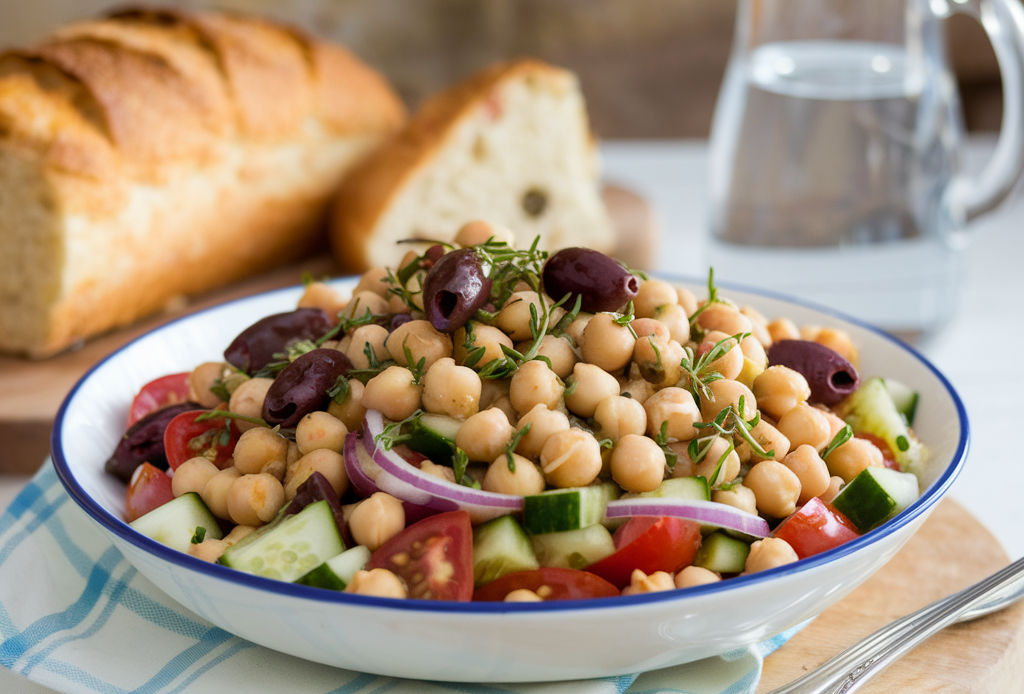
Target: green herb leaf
point(844, 435)
point(514, 443)
point(199, 535)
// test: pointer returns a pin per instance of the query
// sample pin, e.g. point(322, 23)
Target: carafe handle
point(1003, 21)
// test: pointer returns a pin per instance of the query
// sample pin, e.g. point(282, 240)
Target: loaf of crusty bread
point(511, 145)
point(156, 154)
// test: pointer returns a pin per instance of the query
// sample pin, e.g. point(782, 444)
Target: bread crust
point(374, 183)
point(167, 153)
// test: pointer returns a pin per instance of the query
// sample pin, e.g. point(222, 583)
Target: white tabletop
point(978, 351)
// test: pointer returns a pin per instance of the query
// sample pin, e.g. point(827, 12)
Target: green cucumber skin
point(868, 500)
point(565, 509)
point(433, 435)
point(721, 553)
point(174, 524)
point(904, 398)
point(501, 547)
point(573, 549)
point(336, 573)
point(691, 488)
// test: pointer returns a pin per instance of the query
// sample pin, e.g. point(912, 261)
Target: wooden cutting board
point(950, 552)
point(31, 391)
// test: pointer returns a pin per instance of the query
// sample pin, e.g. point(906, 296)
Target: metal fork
point(846, 672)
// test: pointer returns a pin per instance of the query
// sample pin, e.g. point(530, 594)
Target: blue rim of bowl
point(121, 529)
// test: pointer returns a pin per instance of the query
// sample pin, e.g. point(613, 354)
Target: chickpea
point(514, 317)
point(451, 389)
point(804, 424)
point(651, 295)
point(215, 493)
point(675, 406)
point(527, 478)
point(639, 582)
point(686, 299)
point(442, 471)
point(257, 448)
point(422, 341)
point(853, 457)
point(808, 466)
point(728, 393)
point(739, 496)
point(192, 476)
point(776, 488)
point(675, 319)
point(328, 463)
point(617, 416)
point(484, 435)
point(557, 350)
point(835, 424)
point(379, 582)
point(571, 458)
point(839, 342)
point(364, 301)
point(724, 317)
point(322, 296)
point(201, 380)
point(729, 469)
point(658, 362)
point(376, 520)
point(576, 329)
point(319, 430)
point(481, 231)
point(351, 411)
point(393, 392)
point(208, 550)
point(372, 336)
point(649, 327)
point(590, 385)
point(683, 466)
point(638, 389)
point(759, 325)
point(523, 595)
point(835, 485)
point(754, 351)
point(607, 344)
point(543, 424)
point(695, 576)
point(783, 329)
point(248, 400)
point(730, 364)
point(535, 384)
point(779, 389)
point(769, 439)
point(768, 554)
point(486, 336)
point(374, 280)
point(255, 499)
point(637, 463)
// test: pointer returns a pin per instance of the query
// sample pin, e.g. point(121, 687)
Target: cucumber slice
point(691, 488)
point(337, 572)
point(500, 547)
point(560, 510)
point(291, 547)
point(875, 495)
point(903, 397)
point(433, 435)
point(870, 410)
point(574, 549)
point(722, 553)
point(174, 524)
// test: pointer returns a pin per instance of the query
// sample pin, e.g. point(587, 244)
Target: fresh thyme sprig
point(507, 267)
point(844, 435)
point(626, 319)
point(699, 448)
point(730, 423)
point(513, 444)
point(391, 436)
point(699, 371)
point(712, 298)
point(416, 367)
point(661, 438)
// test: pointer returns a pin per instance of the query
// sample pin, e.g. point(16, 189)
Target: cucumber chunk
point(560, 510)
point(574, 549)
point(291, 547)
point(337, 572)
point(875, 495)
point(174, 524)
point(433, 435)
point(722, 553)
point(690, 488)
point(904, 398)
point(500, 547)
point(870, 410)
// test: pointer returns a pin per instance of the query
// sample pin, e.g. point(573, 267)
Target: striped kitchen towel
point(76, 617)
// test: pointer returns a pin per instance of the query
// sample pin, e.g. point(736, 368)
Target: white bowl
point(485, 642)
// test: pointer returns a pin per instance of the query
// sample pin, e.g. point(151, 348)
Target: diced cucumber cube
point(433, 435)
point(500, 547)
point(174, 524)
point(690, 488)
point(559, 510)
point(574, 549)
point(904, 398)
point(875, 495)
point(871, 410)
point(722, 553)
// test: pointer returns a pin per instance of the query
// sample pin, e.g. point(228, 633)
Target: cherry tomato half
point(888, 457)
point(433, 556)
point(815, 527)
point(649, 544)
point(213, 438)
point(150, 487)
point(550, 584)
point(157, 394)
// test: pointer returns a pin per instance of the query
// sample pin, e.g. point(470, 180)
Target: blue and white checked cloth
point(75, 616)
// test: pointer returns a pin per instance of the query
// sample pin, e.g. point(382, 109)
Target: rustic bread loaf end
point(157, 154)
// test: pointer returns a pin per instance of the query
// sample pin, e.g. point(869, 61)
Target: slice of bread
point(511, 144)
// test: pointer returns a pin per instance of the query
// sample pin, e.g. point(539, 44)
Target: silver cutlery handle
point(846, 672)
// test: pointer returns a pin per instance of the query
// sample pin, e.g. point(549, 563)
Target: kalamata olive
point(603, 284)
point(399, 319)
point(302, 386)
point(144, 442)
point(830, 376)
point(454, 288)
point(255, 346)
point(317, 488)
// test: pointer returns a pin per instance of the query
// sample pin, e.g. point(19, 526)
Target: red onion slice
point(708, 512)
point(403, 481)
point(363, 473)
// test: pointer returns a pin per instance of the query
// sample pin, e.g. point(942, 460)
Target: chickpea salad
point(490, 423)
